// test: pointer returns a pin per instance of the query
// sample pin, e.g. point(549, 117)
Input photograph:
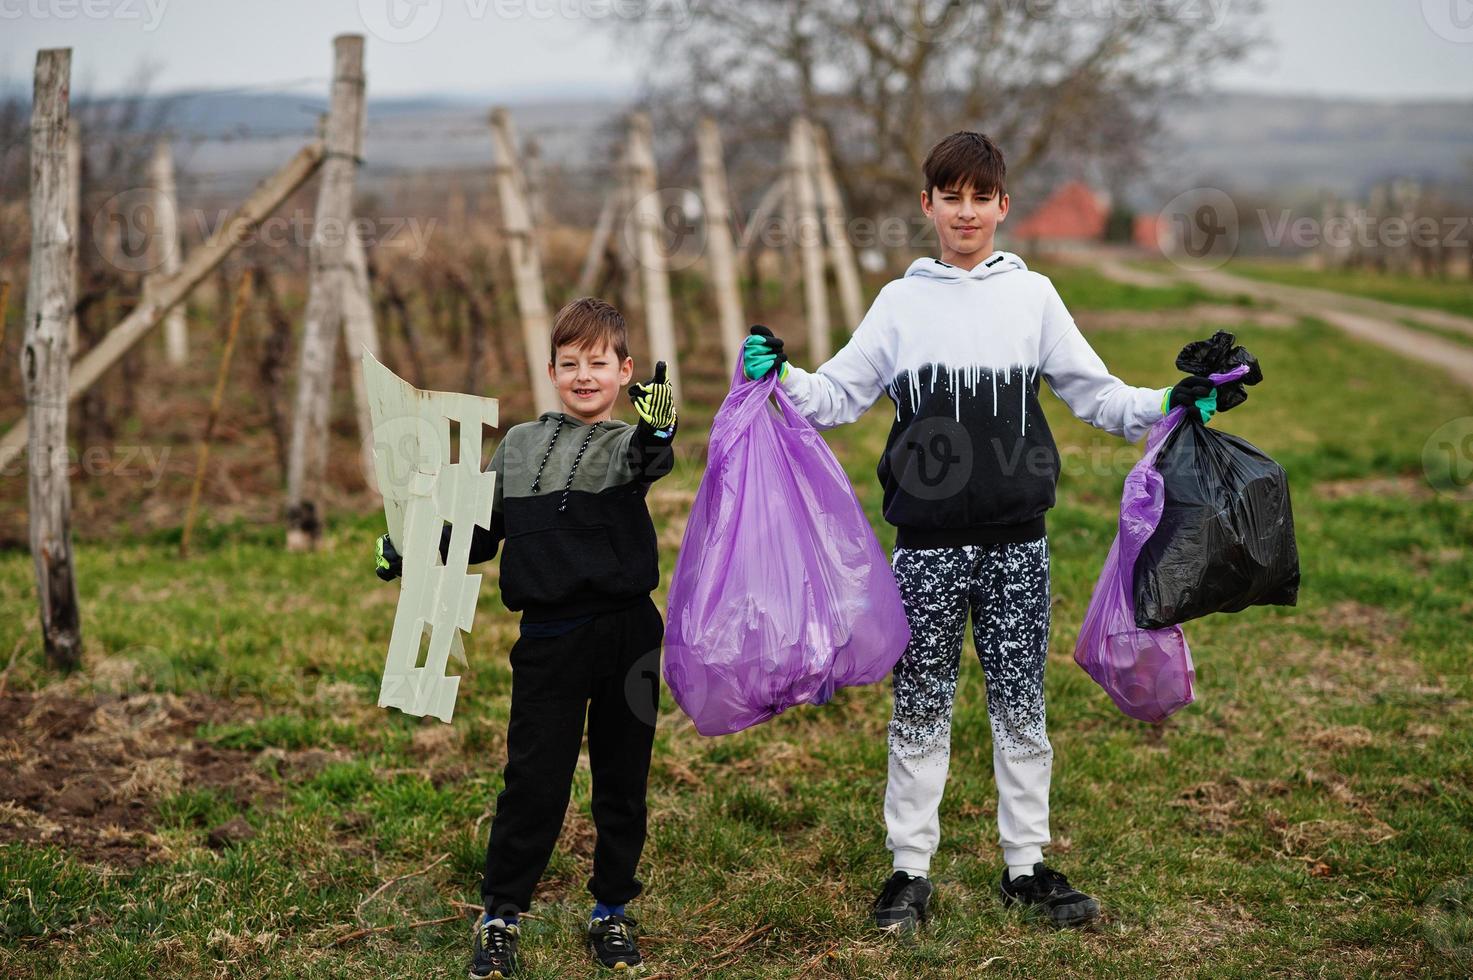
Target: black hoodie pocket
point(555, 564)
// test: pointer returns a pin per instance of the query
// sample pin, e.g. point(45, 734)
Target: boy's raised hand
point(761, 352)
point(655, 401)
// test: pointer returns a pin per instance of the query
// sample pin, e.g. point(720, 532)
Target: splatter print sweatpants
point(1005, 587)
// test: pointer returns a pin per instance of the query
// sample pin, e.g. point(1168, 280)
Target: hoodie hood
point(995, 264)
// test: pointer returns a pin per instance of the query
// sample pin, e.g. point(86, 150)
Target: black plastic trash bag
point(1225, 540)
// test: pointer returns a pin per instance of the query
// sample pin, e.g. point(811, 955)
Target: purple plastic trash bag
point(781, 594)
point(1147, 673)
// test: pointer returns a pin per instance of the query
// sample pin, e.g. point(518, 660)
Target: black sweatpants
point(608, 670)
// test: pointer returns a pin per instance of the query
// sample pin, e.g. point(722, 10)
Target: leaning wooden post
point(45, 359)
point(201, 262)
point(659, 319)
point(359, 334)
point(165, 241)
point(526, 263)
point(841, 252)
point(807, 232)
point(307, 457)
point(74, 222)
point(719, 247)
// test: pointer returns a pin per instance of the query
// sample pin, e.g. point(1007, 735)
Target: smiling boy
point(579, 563)
point(960, 345)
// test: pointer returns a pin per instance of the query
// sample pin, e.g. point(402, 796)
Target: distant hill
point(1243, 143)
point(1281, 143)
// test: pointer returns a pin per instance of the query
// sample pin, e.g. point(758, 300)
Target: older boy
point(969, 470)
point(579, 563)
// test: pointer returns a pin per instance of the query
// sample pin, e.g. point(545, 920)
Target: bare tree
point(1045, 78)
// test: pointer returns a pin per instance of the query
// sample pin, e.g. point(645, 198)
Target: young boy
point(969, 470)
point(579, 563)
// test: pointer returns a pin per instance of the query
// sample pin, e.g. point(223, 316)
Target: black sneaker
point(493, 950)
point(901, 906)
point(612, 941)
point(1049, 892)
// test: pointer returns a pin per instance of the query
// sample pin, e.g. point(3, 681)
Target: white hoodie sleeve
point(852, 380)
point(1077, 375)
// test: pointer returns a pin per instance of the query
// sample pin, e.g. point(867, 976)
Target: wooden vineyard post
point(720, 251)
point(835, 222)
point(165, 239)
point(44, 359)
point(307, 458)
point(74, 219)
point(526, 263)
point(659, 318)
point(809, 235)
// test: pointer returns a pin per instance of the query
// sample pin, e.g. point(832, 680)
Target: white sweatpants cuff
point(912, 861)
point(1029, 855)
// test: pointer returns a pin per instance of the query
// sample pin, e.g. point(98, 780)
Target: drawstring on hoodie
point(537, 480)
point(563, 504)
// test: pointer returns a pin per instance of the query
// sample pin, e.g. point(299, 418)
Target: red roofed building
point(1073, 213)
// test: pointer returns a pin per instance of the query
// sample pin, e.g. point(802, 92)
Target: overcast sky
point(521, 48)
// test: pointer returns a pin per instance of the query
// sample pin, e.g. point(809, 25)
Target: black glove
point(388, 564)
point(1186, 391)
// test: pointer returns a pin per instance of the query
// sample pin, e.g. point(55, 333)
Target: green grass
point(1296, 820)
point(1452, 295)
point(1446, 333)
point(1084, 288)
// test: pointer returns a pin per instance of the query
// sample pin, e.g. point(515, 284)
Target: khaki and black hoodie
point(569, 503)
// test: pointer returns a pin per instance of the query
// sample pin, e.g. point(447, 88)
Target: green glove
point(388, 564)
point(655, 402)
point(1192, 390)
point(761, 352)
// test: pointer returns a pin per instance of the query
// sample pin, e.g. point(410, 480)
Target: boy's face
point(588, 381)
point(966, 222)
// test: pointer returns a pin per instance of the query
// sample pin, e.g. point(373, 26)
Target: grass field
point(1297, 820)
point(1452, 295)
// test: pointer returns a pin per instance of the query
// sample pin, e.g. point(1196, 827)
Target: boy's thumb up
point(659, 377)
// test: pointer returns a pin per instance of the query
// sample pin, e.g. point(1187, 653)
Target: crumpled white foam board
point(422, 490)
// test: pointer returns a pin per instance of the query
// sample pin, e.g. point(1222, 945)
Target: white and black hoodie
point(970, 459)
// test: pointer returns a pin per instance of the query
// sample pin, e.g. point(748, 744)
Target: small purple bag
point(781, 594)
point(1147, 673)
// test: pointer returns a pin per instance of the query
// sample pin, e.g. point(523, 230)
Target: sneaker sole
point(909, 924)
point(1067, 917)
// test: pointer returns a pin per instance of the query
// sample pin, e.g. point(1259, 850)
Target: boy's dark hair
point(966, 158)
point(587, 323)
